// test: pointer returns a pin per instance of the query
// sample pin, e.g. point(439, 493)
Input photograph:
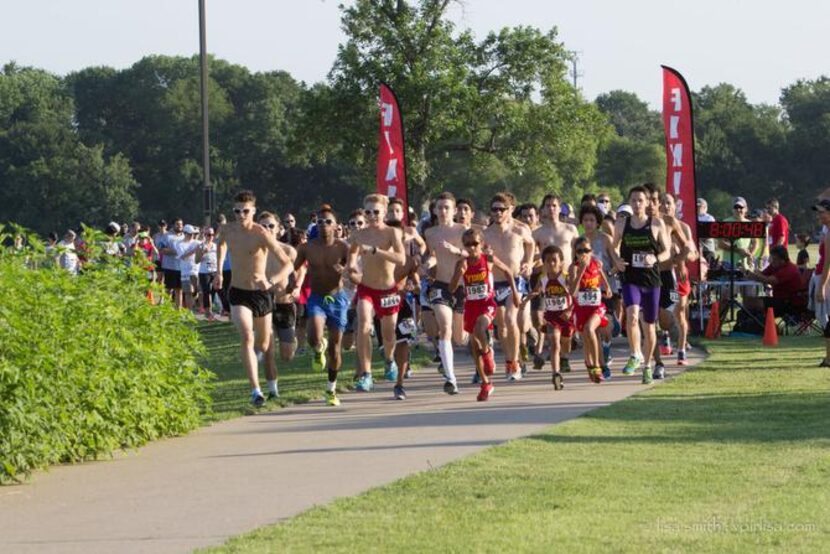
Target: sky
point(759, 46)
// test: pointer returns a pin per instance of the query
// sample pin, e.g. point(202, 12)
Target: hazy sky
point(759, 46)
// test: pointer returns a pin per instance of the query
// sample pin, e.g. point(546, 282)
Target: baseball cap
point(190, 229)
point(739, 201)
point(114, 227)
point(625, 209)
point(209, 231)
point(822, 205)
point(702, 201)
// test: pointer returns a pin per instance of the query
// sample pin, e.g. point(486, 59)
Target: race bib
point(390, 301)
point(674, 296)
point(591, 297)
point(556, 303)
point(407, 326)
point(434, 294)
point(503, 293)
point(638, 260)
point(477, 292)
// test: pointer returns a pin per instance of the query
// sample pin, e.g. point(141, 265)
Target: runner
point(587, 283)
point(557, 305)
point(188, 267)
point(512, 243)
point(206, 258)
point(445, 246)
point(381, 249)
point(328, 302)
point(170, 261)
point(356, 221)
point(475, 270)
point(642, 244)
point(250, 292)
point(406, 277)
point(284, 314)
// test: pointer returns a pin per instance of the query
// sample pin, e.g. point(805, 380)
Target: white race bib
point(434, 294)
point(556, 303)
point(674, 296)
point(588, 298)
point(638, 260)
point(477, 292)
point(503, 293)
point(407, 326)
point(390, 301)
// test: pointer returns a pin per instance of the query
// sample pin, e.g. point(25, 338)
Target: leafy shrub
point(87, 364)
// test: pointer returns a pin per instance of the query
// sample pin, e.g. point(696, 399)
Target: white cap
point(116, 228)
point(625, 209)
point(190, 230)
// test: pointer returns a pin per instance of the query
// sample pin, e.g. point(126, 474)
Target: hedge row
point(88, 366)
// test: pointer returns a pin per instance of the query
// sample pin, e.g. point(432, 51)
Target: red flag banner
point(391, 169)
point(680, 151)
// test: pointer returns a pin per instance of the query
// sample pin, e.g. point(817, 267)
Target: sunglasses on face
point(372, 212)
point(325, 221)
point(738, 208)
point(245, 211)
point(355, 223)
point(269, 225)
point(471, 244)
point(498, 209)
point(604, 200)
point(583, 250)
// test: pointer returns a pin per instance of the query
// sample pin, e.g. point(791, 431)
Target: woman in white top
point(206, 257)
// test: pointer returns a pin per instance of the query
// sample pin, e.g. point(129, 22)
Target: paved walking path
point(179, 494)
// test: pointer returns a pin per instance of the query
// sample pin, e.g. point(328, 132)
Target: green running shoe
point(647, 376)
point(632, 365)
point(331, 398)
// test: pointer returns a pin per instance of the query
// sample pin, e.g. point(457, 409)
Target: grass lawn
point(297, 382)
point(732, 456)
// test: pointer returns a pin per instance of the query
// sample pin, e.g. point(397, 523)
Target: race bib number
point(434, 295)
point(407, 326)
point(588, 298)
point(503, 293)
point(477, 292)
point(638, 260)
point(674, 296)
point(556, 303)
point(390, 301)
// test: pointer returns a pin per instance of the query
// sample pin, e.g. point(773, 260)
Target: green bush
point(88, 365)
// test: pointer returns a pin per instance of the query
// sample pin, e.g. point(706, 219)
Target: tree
point(631, 117)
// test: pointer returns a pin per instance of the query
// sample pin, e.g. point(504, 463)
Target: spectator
point(802, 241)
point(788, 293)
point(760, 247)
point(707, 246)
point(779, 228)
point(188, 268)
point(207, 260)
point(737, 254)
point(68, 258)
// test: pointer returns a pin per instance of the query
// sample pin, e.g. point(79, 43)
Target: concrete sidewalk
point(179, 494)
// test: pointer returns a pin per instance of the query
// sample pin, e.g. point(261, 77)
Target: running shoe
point(523, 353)
point(450, 388)
point(565, 364)
point(632, 365)
point(318, 359)
point(331, 398)
point(272, 395)
point(408, 373)
point(390, 372)
point(595, 374)
point(824, 363)
point(538, 361)
point(606, 373)
point(399, 392)
point(659, 371)
point(557, 381)
point(257, 399)
point(485, 392)
point(665, 344)
point(488, 362)
point(523, 367)
point(606, 353)
point(681, 357)
point(365, 383)
point(647, 376)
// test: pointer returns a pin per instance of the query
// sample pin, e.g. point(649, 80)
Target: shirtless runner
point(328, 303)
point(282, 316)
point(512, 243)
point(381, 249)
point(445, 248)
point(250, 292)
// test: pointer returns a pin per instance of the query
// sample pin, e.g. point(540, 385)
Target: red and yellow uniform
point(557, 302)
point(478, 293)
point(589, 297)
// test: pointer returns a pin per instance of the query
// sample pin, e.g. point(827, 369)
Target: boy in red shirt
point(587, 283)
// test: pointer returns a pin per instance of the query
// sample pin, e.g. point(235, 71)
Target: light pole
point(208, 187)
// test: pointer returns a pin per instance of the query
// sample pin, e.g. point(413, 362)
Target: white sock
point(256, 391)
point(272, 386)
point(445, 350)
point(331, 386)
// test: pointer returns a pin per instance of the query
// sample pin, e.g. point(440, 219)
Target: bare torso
point(248, 256)
point(508, 246)
point(560, 234)
point(378, 273)
point(325, 262)
point(445, 260)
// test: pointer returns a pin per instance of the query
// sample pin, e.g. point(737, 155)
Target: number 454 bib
point(589, 298)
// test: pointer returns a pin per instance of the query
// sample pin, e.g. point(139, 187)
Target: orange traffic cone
point(770, 330)
point(713, 327)
point(150, 297)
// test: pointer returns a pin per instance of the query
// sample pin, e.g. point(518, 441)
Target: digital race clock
point(732, 230)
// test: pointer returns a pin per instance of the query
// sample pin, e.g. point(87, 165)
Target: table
point(705, 286)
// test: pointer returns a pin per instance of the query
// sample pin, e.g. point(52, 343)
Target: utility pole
point(208, 187)
point(574, 59)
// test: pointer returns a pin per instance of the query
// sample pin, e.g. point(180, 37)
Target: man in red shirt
point(788, 295)
point(779, 227)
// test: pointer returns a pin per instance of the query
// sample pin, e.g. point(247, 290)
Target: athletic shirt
point(556, 297)
point(636, 244)
point(588, 294)
point(478, 281)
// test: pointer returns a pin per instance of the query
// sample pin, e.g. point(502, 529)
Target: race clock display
point(732, 230)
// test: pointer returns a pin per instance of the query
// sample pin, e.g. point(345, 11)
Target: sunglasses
point(356, 223)
point(583, 250)
point(325, 221)
point(604, 200)
point(496, 209)
point(472, 244)
point(269, 225)
point(372, 212)
point(245, 211)
point(738, 207)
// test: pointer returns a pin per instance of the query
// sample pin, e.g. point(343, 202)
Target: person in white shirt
point(186, 253)
point(170, 262)
point(206, 258)
point(67, 257)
